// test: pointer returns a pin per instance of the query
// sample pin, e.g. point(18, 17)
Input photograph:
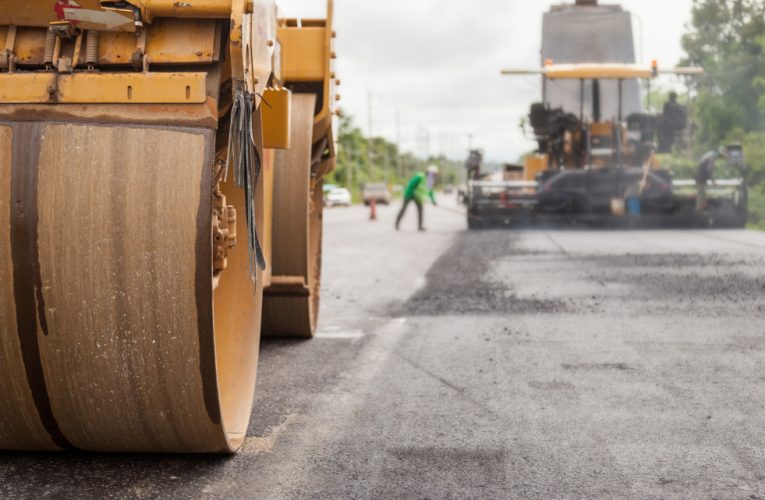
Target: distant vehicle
point(338, 197)
point(377, 191)
point(448, 189)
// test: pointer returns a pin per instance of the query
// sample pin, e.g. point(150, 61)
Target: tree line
point(362, 159)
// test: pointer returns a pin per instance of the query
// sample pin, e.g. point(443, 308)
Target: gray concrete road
point(497, 364)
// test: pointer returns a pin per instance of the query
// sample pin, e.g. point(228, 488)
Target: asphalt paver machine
point(595, 159)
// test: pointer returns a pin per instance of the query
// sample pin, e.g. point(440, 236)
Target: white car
point(338, 197)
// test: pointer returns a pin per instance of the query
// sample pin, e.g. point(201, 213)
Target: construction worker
point(704, 174)
point(675, 113)
point(419, 188)
point(473, 164)
point(673, 122)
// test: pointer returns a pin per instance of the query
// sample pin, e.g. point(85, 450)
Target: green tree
point(727, 38)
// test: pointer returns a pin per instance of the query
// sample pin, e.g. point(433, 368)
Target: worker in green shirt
point(420, 187)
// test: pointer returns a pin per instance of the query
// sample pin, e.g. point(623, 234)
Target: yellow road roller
point(161, 168)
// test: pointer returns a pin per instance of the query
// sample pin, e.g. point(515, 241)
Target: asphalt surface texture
point(489, 364)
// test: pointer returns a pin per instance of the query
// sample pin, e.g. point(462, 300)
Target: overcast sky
point(435, 64)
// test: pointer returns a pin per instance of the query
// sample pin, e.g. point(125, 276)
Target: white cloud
point(436, 63)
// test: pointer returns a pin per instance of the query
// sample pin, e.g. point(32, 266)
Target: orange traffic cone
point(373, 209)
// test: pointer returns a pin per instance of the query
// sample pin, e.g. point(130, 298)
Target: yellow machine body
point(114, 88)
point(307, 58)
point(277, 118)
point(533, 165)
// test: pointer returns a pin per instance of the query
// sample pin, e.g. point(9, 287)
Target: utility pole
point(352, 158)
point(691, 118)
point(398, 144)
point(442, 141)
point(420, 141)
point(370, 123)
point(427, 144)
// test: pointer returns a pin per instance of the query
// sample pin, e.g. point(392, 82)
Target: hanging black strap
point(243, 153)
